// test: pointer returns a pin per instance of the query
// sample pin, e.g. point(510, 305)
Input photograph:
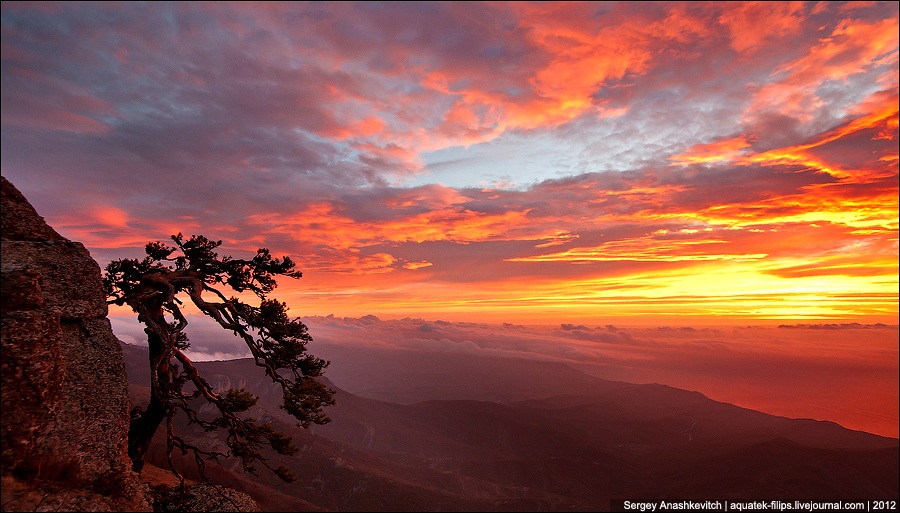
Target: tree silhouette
point(151, 287)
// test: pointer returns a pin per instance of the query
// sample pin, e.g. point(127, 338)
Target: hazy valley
point(441, 431)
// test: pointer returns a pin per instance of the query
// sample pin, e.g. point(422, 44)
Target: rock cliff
point(64, 388)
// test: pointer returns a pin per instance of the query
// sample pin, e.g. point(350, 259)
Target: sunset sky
point(558, 162)
point(584, 165)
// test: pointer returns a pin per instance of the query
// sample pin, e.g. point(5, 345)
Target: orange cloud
point(647, 249)
point(572, 61)
point(728, 149)
point(852, 48)
point(879, 111)
point(416, 265)
point(361, 129)
point(753, 24)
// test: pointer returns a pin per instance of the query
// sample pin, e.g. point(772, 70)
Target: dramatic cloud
point(501, 161)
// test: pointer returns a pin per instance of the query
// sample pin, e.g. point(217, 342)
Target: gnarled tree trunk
point(144, 423)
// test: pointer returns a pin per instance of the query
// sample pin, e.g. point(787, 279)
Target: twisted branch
point(150, 287)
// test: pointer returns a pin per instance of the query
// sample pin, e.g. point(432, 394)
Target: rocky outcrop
point(202, 497)
point(64, 388)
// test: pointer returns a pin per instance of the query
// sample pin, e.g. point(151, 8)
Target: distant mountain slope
point(591, 441)
point(409, 377)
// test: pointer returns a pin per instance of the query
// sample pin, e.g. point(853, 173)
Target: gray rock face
point(64, 388)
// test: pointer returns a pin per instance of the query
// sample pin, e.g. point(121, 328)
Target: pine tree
point(154, 287)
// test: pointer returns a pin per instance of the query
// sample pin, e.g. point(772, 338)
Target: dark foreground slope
point(594, 441)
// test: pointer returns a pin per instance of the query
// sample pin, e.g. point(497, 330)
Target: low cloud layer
point(800, 372)
point(816, 371)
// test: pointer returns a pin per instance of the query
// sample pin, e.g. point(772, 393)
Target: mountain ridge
point(568, 452)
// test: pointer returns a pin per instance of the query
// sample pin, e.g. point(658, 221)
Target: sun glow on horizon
point(619, 160)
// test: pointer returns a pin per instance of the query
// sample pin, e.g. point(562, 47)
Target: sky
point(492, 162)
point(664, 164)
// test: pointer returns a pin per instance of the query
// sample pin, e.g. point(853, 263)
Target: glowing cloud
point(557, 160)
